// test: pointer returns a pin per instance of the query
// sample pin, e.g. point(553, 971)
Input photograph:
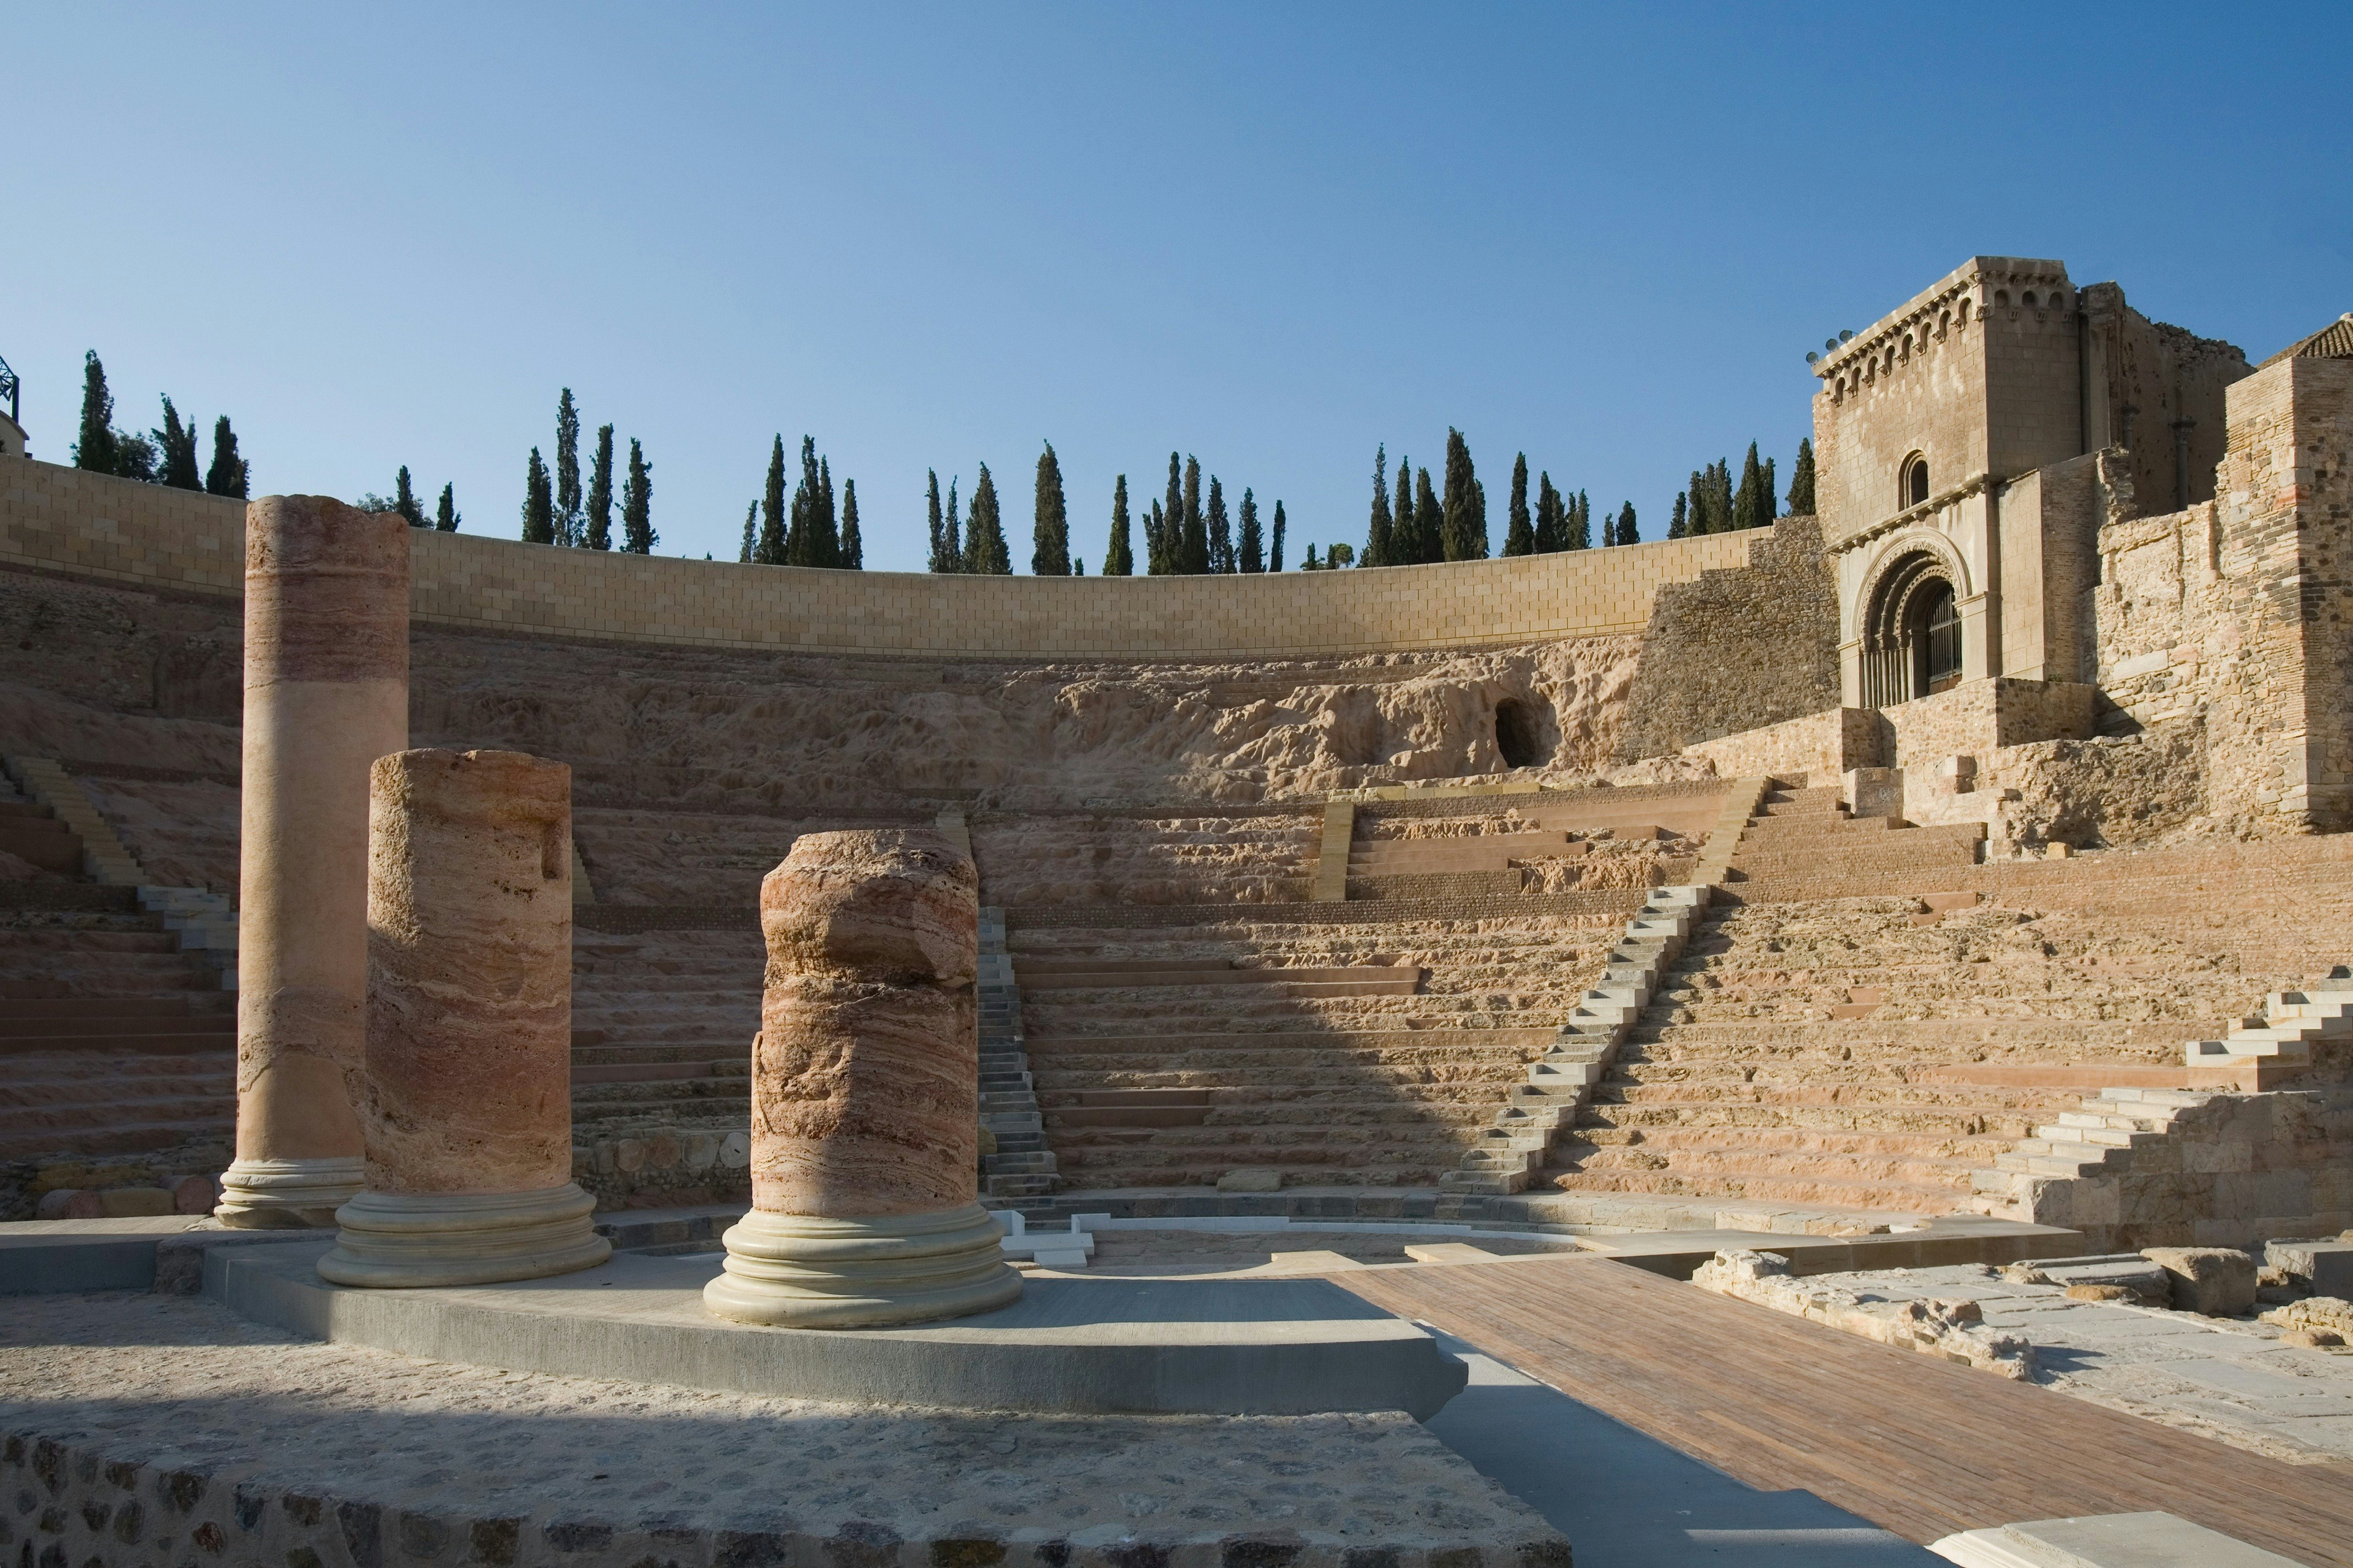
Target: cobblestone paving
point(180, 1386)
point(2228, 1378)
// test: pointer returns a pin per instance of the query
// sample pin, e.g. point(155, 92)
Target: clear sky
point(935, 237)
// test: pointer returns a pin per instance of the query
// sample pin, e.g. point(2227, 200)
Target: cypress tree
point(751, 522)
point(1377, 532)
point(1050, 552)
point(1695, 521)
point(1580, 524)
point(1429, 520)
point(824, 549)
point(1748, 507)
point(853, 544)
point(1766, 502)
point(96, 451)
point(1172, 521)
point(1678, 526)
point(1626, 532)
point(1249, 548)
point(1519, 533)
point(769, 550)
point(950, 533)
point(176, 444)
point(1463, 528)
point(1405, 530)
point(638, 535)
point(1218, 529)
point(1119, 554)
point(1193, 535)
point(932, 505)
point(600, 493)
point(800, 524)
point(227, 475)
point(568, 520)
point(445, 517)
point(1802, 481)
point(1550, 533)
point(538, 503)
point(404, 500)
point(1158, 561)
point(985, 550)
point(1274, 546)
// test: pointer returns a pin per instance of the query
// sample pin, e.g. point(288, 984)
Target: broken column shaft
point(865, 1095)
point(467, 1107)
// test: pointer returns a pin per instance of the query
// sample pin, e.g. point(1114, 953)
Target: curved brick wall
point(59, 518)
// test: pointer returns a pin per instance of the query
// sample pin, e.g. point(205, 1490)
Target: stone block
point(1253, 1179)
point(2218, 1282)
point(2323, 1267)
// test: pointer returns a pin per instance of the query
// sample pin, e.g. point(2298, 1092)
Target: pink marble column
point(865, 1094)
point(326, 693)
point(467, 1107)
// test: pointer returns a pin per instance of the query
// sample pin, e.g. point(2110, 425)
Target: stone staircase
point(1014, 1162)
point(1519, 1141)
point(2293, 1022)
point(1363, 1053)
point(661, 1031)
point(1861, 1055)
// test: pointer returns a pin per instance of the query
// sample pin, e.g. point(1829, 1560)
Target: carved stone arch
point(1906, 619)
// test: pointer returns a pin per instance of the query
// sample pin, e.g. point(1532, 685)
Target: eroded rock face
point(865, 1072)
point(470, 974)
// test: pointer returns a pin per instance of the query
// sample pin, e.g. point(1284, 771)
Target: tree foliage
point(638, 535)
point(853, 543)
point(985, 550)
point(1802, 481)
point(570, 522)
point(538, 503)
point(228, 475)
point(1249, 542)
point(1049, 553)
point(446, 516)
point(600, 493)
point(175, 447)
point(1376, 531)
point(1463, 516)
point(1119, 554)
point(1519, 532)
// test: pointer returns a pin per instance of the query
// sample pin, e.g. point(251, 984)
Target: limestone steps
point(1825, 1192)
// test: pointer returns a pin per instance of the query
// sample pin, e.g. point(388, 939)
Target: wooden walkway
point(1920, 1446)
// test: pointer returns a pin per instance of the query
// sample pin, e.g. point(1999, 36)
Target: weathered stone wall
point(1737, 648)
point(62, 520)
point(1814, 750)
point(2238, 612)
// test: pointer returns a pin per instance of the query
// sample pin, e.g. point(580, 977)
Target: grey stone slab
point(1627, 1501)
point(1246, 1346)
point(47, 1256)
point(2105, 1540)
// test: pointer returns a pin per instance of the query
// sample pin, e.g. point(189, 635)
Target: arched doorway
point(1519, 736)
point(1912, 633)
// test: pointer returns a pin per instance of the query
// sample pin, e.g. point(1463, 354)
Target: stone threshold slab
point(1940, 1243)
point(1269, 1346)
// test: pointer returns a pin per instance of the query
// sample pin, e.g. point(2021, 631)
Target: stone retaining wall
point(88, 525)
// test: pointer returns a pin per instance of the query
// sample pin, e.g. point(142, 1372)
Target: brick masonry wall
point(1814, 750)
point(1736, 649)
point(59, 518)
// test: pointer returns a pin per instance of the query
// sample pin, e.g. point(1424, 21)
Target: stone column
point(865, 1095)
point(326, 693)
point(467, 1108)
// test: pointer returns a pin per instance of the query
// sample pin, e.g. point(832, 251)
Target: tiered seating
point(116, 1045)
point(1354, 1054)
point(1843, 1054)
point(1802, 844)
point(661, 1029)
point(1254, 855)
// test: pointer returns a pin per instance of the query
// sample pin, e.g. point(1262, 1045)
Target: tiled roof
point(2334, 341)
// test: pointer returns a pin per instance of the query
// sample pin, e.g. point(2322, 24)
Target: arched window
point(1912, 633)
point(1912, 488)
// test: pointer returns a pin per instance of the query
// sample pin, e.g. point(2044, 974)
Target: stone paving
point(129, 1418)
point(2231, 1379)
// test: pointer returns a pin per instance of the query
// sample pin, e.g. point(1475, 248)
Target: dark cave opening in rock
point(1519, 736)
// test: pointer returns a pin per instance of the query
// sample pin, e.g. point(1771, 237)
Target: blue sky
point(933, 237)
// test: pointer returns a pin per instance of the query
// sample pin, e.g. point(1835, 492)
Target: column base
point(407, 1241)
point(289, 1194)
point(807, 1271)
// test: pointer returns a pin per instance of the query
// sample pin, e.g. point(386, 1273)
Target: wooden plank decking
point(1921, 1447)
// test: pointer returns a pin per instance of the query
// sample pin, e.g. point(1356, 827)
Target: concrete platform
point(1272, 1347)
point(2104, 1541)
point(1935, 1243)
